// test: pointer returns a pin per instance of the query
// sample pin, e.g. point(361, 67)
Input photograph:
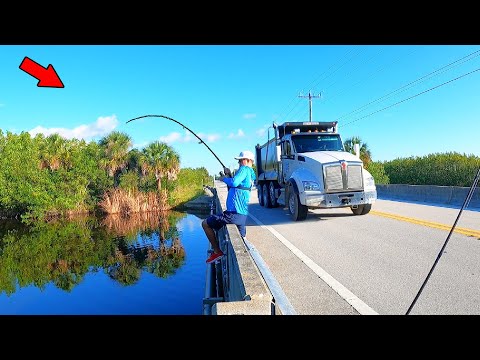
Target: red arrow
point(46, 77)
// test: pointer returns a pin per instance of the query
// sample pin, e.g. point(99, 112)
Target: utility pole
point(310, 96)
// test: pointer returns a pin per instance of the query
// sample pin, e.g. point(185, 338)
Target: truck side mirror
point(278, 152)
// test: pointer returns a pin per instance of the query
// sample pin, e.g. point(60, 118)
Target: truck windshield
point(315, 142)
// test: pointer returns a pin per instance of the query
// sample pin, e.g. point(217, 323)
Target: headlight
point(369, 182)
point(311, 186)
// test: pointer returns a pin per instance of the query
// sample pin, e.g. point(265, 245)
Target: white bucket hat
point(246, 155)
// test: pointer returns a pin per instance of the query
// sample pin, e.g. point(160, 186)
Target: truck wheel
point(266, 196)
point(362, 209)
point(271, 193)
point(297, 211)
point(260, 195)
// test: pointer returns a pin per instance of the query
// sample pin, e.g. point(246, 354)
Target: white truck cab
point(306, 166)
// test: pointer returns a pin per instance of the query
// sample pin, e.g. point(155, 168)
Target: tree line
point(442, 169)
point(49, 176)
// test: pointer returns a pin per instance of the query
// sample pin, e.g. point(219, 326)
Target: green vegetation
point(61, 252)
point(45, 177)
point(365, 153)
point(189, 185)
point(378, 172)
point(375, 168)
point(443, 169)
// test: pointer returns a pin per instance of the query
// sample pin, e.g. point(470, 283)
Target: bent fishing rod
point(178, 122)
point(465, 204)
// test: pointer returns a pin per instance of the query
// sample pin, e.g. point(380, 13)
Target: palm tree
point(172, 163)
point(55, 151)
point(365, 154)
point(115, 146)
point(161, 160)
point(134, 160)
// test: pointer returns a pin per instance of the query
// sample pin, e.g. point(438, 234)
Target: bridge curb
point(448, 195)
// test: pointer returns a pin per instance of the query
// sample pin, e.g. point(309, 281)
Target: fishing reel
point(227, 172)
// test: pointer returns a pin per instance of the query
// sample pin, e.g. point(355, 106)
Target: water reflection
point(136, 251)
point(62, 253)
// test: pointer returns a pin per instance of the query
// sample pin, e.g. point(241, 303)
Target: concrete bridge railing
point(235, 285)
point(447, 195)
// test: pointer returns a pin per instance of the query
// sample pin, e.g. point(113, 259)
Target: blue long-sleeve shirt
point(238, 199)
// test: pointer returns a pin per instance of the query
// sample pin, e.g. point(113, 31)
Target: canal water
point(141, 265)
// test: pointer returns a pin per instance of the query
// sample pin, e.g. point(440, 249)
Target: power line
point(356, 67)
point(425, 77)
point(411, 97)
point(310, 96)
point(403, 88)
point(330, 97)
point(313, 81)
point(299, 111)
point(338, 68)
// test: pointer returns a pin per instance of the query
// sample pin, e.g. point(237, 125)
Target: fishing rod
point(465, 204)
point(225, 169)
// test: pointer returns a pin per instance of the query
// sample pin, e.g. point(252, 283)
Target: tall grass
point(120, 201)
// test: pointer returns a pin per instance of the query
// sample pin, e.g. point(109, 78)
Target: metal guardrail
point(213, 273)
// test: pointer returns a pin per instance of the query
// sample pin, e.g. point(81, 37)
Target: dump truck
point(305, 166)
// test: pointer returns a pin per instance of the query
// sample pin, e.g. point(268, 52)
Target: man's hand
point(227, 172)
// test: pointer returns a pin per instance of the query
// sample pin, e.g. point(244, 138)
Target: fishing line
point(178, 122)
point(465, 204)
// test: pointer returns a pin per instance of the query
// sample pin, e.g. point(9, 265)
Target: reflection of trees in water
point(162, 261)
point(62, 252)
point(163, 222)
point(58, 252)
point(166, 259)
point(161, 257)
point(61, 275)
point(125, 270)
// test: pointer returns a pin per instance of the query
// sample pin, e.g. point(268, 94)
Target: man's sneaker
point(214, 257)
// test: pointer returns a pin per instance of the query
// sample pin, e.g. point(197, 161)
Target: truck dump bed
point(290, 127)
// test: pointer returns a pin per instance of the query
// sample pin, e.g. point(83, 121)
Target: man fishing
point(238, 197)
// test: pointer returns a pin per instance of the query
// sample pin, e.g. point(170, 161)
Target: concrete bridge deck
point(241, 283)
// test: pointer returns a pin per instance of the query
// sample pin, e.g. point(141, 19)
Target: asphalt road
point(336, 263)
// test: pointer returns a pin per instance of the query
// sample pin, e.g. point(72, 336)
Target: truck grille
point(347, 179)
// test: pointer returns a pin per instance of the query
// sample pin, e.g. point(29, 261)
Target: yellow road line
point(464, 231)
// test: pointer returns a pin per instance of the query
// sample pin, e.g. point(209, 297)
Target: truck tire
point(271, 193)
point(260, 194)
point(362, 209)
point(266, 196)
point(298, 212)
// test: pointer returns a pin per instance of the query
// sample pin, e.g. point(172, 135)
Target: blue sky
point(230, 95)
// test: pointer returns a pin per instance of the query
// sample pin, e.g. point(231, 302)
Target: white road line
point(341, 290)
